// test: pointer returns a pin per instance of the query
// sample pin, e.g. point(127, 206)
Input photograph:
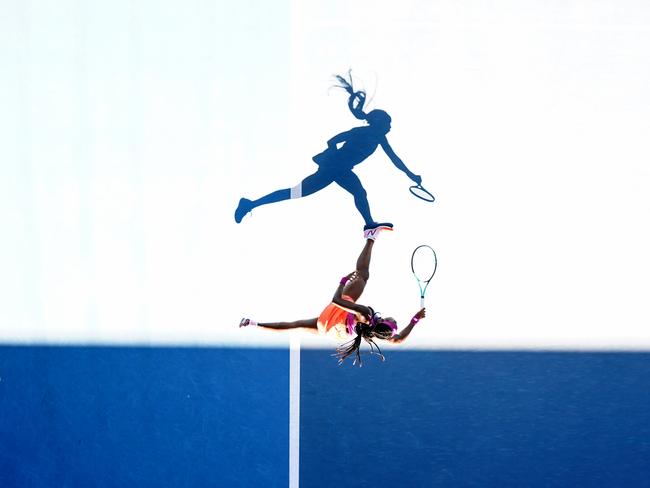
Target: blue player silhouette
point(344, 151)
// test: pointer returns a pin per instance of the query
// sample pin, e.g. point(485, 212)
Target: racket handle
point(421, 302)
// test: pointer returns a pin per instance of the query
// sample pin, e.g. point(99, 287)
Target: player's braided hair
point(376, 329)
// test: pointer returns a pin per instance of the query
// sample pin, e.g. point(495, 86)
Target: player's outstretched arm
point(401, 337)
point(398, 162)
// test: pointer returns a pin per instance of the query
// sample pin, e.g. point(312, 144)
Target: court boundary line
point(294, 412)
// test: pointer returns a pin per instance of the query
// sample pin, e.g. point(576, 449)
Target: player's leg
point(355, 287)
point(296, 324)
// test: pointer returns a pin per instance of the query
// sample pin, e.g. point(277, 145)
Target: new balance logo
point(373, 233)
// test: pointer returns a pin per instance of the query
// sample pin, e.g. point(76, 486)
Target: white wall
point(130, 129)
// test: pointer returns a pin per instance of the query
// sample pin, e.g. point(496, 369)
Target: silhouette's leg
point(352, 184)
point(311, 184)
point(306, 187)
point(276, 196)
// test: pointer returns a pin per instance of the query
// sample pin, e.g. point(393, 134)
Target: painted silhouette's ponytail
point(357, 98)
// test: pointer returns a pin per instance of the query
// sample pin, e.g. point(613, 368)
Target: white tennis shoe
point(373, 233)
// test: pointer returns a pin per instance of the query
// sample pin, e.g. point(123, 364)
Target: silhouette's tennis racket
point(423, 264)
point(421, 193)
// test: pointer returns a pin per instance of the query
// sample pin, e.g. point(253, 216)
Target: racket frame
point(421, 188)
point(426, 282)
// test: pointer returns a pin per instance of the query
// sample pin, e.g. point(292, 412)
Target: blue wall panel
point(464, 419)
point(112, 416)
point(103, 417)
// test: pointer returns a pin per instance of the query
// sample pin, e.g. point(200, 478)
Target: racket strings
point(424, 263)
point(421, 193)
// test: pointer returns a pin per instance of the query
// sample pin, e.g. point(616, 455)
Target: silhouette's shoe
point(245, 206)
point(375, 225)
point(373, 233)
point(244, 322)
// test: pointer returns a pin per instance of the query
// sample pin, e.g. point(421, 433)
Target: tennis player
point(346, 320)
point(344, 151)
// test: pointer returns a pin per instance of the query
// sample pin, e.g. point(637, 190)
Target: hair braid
point(367, 332)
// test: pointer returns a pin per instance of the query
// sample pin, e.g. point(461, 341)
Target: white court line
point(294, 412)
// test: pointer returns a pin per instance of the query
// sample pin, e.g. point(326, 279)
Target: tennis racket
point(421, 193)
point(423, 264)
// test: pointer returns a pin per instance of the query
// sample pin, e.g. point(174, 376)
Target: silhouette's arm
point(398, 162)
point(401, 337)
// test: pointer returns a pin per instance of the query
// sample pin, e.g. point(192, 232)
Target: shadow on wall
point(335, 164)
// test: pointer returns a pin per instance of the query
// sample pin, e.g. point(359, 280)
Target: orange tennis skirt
point(332, 321)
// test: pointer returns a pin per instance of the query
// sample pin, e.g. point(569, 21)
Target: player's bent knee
point(363, 274)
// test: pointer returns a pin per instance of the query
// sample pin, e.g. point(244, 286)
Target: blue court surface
point(126, 416)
